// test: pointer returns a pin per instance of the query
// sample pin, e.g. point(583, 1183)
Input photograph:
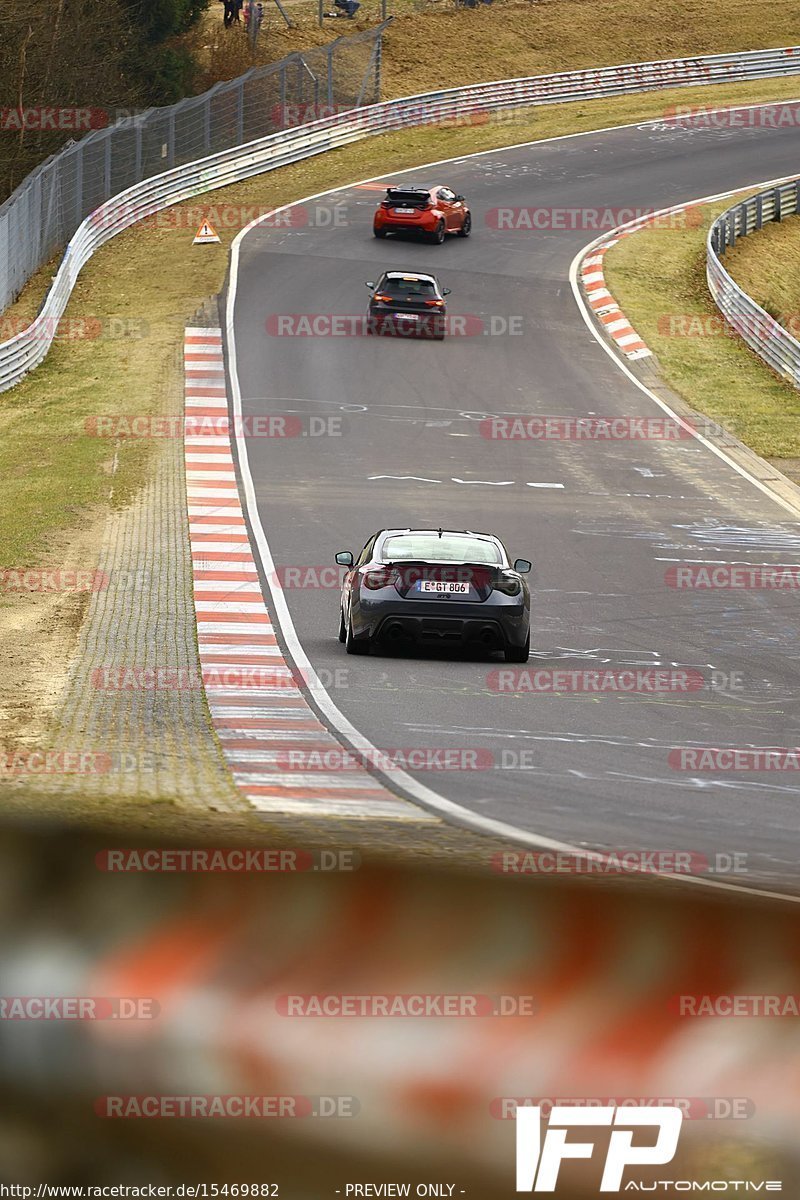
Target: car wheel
point(519, 653)
point(466, 226)
point(350, 643)
point(439, 233)
point(342, 626)
point(379, 233)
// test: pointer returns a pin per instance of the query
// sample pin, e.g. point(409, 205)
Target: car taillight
point(383, 299)
point(509, 585)
point(434, 303)
point(379, 577)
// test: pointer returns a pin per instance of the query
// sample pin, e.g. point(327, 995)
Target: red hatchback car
point(433, 212)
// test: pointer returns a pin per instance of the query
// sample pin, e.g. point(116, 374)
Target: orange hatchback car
point(432, 212)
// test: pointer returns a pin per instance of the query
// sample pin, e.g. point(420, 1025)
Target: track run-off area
point(394, 432)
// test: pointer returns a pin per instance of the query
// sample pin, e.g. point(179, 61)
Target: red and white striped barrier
point(605, 307)
point(258, 707)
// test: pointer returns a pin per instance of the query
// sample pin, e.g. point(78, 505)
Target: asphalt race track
point(590, 770)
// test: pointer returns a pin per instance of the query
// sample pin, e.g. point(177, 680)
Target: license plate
point(440, 585)
point(403, 212)
point(406, 316)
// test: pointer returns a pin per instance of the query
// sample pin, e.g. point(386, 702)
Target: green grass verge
point(767, 266)
point(658, 278)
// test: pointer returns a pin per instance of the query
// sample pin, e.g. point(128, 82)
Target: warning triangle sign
point(205, 234)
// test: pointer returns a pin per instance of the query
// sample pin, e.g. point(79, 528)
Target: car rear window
point(404, 547)
point(409, 286)
point(407, 199)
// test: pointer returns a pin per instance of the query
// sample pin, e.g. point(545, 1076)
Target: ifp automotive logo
point(539, 1160)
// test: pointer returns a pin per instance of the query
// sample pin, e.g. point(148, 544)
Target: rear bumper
point(422, 224)
point(434, 627)
point(403, 325)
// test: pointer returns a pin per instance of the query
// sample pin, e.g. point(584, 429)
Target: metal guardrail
point(762, 333)
point(41, 215)
point(467, 104)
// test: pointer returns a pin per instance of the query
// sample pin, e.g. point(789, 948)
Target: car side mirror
point(369, 283)
point(344, 558)
point(445, 291)
point(460, 197)
point(522, 566)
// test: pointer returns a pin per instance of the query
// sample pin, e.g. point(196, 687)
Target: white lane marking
point(424, 795)
point(545, 485)
point(728, 562)
point(418, 478)
point(485, 482)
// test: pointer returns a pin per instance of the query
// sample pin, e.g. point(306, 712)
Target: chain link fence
point(41, 216)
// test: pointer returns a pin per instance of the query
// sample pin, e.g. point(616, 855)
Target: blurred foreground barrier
point(762, 333)
point(241, 161)
point(388, 1016)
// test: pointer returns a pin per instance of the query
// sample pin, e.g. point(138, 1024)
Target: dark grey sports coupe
point(435, 587)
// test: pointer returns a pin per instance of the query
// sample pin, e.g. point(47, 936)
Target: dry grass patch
point(767, 266)
point(658, 277)
point(437, 46)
